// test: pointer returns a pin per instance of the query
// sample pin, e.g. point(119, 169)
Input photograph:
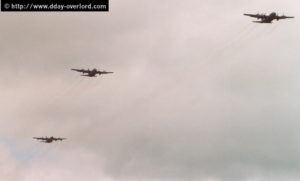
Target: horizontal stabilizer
point(261, 22)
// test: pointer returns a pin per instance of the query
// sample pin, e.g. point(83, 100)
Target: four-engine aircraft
point(91, 73)
point(267, 18)
point(48, 140)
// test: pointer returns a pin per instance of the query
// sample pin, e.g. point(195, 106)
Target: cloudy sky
point(199, 93)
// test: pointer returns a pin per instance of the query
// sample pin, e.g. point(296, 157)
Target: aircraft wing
point(59, 139)
point(81, 70)
point(258, 16)
point(39, 138)
point(283, 17)
point(103, 72)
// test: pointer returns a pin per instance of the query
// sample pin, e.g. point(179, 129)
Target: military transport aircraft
point(267, 18)
point(48, 140)
point(91, 73)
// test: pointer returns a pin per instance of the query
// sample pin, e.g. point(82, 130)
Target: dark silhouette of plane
point(267, 18)
point(91, 73)
point(48, 140)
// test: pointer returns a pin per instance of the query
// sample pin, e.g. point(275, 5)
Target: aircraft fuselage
point(270, 18)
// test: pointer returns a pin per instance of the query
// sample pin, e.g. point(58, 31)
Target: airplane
point(267, 18)
point(48, 140)
point(91, 73)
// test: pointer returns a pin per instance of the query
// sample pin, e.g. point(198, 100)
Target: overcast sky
point(199, 93)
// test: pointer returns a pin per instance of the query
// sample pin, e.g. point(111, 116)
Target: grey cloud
point(198, 93)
